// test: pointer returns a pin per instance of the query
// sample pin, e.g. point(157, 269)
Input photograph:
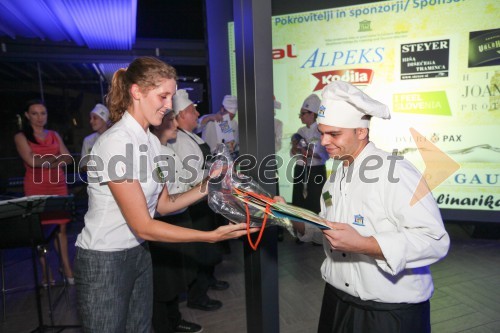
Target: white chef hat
point(343, 105)
point(180, 101)
point(312, 103)
point(101, 111)
point(277, 104)
point(230, 103)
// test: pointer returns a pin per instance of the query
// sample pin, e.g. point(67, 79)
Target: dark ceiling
point(65, 64)
point(68, 79)
point(67, 76)
point(170, 19)
point(25, 63)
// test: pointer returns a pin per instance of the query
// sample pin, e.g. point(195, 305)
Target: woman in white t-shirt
point(113, 270)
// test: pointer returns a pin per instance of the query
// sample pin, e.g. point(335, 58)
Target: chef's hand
point(343, 237)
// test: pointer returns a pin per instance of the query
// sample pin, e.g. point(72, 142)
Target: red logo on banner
point(354, 76)
point(287, 52)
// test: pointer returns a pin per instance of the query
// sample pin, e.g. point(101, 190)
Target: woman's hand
point(231, 231)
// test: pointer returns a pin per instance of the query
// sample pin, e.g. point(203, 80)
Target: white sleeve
point(421, 238)
point(209, 135)
point(200, 127)
point(113, 159)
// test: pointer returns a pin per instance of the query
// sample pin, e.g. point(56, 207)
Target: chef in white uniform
point(307, 193)
point(194, 152)
point(99, 119)
point(379, 251)
point(192, 149)
point(226, 130)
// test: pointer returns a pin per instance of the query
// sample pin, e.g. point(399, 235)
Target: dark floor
point(466, 299)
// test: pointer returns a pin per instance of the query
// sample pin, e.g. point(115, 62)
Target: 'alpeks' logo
point(356, 76)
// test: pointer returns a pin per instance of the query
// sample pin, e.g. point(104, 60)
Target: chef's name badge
point(327, 197)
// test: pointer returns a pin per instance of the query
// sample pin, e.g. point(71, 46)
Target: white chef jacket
point(211, 134)
point(125, 151)
point(186, 146)
point(312, 136)
point(88, 143)
point(411, 237)
point(175, 176)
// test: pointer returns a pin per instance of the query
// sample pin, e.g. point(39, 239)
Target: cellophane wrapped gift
point(221, 197)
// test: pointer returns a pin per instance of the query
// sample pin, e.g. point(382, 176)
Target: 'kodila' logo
point(357, 76)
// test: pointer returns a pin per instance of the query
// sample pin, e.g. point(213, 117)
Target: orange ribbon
point(268, 202)
point(261, 232)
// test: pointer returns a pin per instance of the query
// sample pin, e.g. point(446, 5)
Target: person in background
point(205, 119)
point(225, 130)
point(316, 156)
point(194, 152)
point(174, 264)
point(113, 269)
point(298, 151)
point(45, 157)
point(309, 172)
point(381, 243)
point(99, 121)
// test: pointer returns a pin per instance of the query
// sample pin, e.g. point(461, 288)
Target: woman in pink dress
point(45, 155)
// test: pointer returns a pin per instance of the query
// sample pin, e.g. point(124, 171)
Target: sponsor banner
point(479, 95)
point(438, 77)
point(426, 59)
point(474, 201)
point(476, 178)
point(358, 77)
point(462, 144)
point(431, 103)
point(484, 48)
